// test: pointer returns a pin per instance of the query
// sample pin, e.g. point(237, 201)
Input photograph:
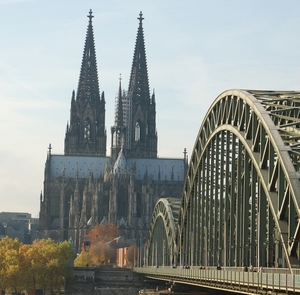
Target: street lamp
point(163, 264)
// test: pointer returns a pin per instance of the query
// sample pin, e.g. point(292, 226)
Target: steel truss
point(162, 248)
point(240, 203)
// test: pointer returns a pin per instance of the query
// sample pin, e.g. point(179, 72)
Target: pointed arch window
point(137, 132)
point(54, 203)
point(87, 129)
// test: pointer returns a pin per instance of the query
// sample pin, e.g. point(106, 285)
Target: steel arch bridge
point(162, 237)
point(240, 203)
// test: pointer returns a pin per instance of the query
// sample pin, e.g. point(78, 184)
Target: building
point(19, 225)
point(85, 187)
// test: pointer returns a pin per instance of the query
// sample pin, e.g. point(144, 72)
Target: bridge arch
point(162, 248)
point(241, 198)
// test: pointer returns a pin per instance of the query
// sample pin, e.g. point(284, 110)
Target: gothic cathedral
point(84, 187)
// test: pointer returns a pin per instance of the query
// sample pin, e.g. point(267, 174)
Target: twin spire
point(119, 111)
point(88, 86)
point(139, 84)
point(134, 125)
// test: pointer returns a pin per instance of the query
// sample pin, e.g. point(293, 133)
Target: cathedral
point(84, 187)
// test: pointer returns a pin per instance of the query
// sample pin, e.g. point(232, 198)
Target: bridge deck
point(226, 279)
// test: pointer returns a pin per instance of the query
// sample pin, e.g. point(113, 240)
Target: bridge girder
point(240, 203)
point(162, 233)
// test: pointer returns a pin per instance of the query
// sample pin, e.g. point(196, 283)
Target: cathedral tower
point(86, 134)
point(118, 131)
point(83, 187)
point(139, 110)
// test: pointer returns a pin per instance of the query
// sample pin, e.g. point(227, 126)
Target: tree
point(99, 253)
point(10, 274)
point(51, 263)
point(44, 264)
point(102, 251)
point(83, 259)
point(103, 232)
point(64, 256)
point(2, 264)
point(131, 254)
point(25, 259)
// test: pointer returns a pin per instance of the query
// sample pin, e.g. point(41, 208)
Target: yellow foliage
point(83, 259)
point(44, 264)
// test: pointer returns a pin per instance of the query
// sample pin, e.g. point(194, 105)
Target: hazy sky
point(195, 50)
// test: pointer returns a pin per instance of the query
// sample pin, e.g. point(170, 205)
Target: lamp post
point(156, 254)
point(206, 250)
point(163, 253)
point(152, 258)
point(266, 252)
point(144, 256)
point(225, 244)
point(134, 257)
point(258, 238)
point(278, 251)
point(140, 250)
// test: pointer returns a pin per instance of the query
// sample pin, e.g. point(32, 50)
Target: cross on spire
point(140, 18)
point(49, 148)
point(90, 16)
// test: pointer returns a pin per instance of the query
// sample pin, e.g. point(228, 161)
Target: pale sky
point(195, 50)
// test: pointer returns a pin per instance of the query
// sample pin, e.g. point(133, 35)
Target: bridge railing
point(227, 278)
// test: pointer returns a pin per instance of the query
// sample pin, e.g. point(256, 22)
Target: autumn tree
point(44, 264)
point(65, 254)
point(51, 261)
point(103, 232)
point(10, 274)
point(101, 251)
point(2, 264)
point(83, 259)
point(131, 254)
point(25, 260)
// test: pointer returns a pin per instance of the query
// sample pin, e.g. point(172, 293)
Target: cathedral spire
point(140, 114)
point(119, 114)
point(139, 84)
point(88, 86)
point(118, 131)
point(86, 134)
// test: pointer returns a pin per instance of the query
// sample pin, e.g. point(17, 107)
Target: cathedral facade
point(84, 187)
